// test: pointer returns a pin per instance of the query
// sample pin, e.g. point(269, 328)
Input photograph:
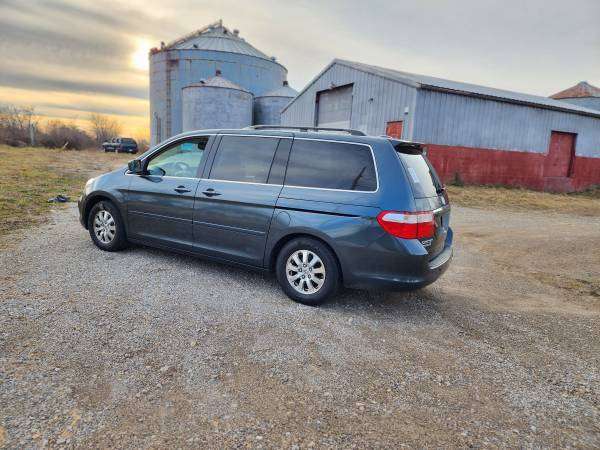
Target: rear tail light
point(408, 225)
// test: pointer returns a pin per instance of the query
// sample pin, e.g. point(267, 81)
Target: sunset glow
point(139, 58)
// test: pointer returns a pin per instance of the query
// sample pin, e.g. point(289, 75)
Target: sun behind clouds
point(139, 58)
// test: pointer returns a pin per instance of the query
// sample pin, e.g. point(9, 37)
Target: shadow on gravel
point(423, 302)
point(419, 302)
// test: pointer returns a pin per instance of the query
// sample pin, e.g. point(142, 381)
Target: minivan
point(322, 208)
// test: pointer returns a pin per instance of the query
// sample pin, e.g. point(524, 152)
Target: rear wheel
point(106, 227)
point(307, 271)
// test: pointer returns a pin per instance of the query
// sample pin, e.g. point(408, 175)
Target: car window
point(331, 165)
point(179, 160)
point(422, 176)
point(244, 158)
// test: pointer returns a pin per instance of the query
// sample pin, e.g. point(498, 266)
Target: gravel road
point(146, 348)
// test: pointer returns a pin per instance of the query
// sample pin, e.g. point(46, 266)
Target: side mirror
point(135, 166)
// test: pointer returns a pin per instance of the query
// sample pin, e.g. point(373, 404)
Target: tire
point(313, 289)
point(109, 220)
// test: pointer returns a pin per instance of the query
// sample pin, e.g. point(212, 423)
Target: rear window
point(127, 141)
point(423, 178)
point(331, 165)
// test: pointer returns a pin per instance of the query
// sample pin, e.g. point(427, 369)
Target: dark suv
point(120, 145)
point(320, 209)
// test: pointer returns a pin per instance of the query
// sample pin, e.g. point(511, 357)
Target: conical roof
point(580, 90)
point(216, 37)
point(218, 82)
point(283, 91)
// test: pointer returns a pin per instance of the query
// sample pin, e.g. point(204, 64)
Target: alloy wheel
point(305, 271)
point(104, 226)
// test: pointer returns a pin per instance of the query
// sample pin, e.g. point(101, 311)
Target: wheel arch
point(97, 197)
point(283, 240)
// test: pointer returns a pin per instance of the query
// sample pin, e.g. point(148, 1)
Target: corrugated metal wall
point(458, 120)
point(206, 107)
point(172, 70)
point(375, 102)
point(267, 110)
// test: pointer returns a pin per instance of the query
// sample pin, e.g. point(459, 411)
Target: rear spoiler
point(409, 147)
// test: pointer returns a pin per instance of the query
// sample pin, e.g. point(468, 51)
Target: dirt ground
point(145, 348)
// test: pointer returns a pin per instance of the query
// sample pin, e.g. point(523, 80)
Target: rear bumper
point(405, 270)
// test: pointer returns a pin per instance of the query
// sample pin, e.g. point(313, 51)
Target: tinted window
point(179, 160)
point(243, 158)
point(331, 165)
point(423, 178)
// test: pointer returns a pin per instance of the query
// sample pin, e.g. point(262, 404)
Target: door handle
point(210, 192)
point(182, 189)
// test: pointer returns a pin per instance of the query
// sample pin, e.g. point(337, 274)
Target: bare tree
point(104, 127)
point(18, 125)
point(58, 134)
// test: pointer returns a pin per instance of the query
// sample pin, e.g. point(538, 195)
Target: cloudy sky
point(69, 58)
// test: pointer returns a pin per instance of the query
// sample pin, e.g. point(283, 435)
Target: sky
point(70, 58)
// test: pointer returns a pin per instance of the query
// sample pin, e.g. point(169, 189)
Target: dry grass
point(582, 203)
point(30, 176)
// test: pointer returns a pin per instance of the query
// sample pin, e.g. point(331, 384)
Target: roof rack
point(305, 129)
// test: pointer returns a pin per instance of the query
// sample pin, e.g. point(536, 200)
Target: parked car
point(319, 209)
point(120, 145)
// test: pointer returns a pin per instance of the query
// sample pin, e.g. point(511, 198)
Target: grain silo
point(268, 107)
point(582, 94)
point(198, 56)
point(215, 103)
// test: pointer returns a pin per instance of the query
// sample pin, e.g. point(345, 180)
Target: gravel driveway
point(146, 348)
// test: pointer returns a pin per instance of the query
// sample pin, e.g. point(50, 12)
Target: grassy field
point(30, 176)
point(581, 203)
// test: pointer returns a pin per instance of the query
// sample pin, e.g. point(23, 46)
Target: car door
point(160, 202)
point(235, 202)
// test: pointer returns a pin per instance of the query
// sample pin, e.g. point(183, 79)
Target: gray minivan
point(320, 209)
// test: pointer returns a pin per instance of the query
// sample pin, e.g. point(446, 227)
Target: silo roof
point(218, 82)
point(580, 90)
point(218, 38)
point(283, 91)
point(457, 87)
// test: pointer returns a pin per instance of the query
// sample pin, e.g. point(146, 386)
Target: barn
point(477, 134)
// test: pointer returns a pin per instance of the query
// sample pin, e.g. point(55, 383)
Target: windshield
point(422, 176)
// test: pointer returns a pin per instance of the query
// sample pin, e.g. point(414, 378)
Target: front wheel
point(106, 227)
point(307, 271)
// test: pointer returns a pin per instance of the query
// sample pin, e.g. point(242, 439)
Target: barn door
point(559, 161)
point(334, 107)
point(394, 129)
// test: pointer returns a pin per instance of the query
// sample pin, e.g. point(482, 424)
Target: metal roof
point(440, 84)
point(218, 82)
point(580, 90)
point(283, 91)
point(216, 37)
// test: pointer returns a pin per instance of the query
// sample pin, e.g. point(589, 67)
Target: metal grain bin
point(268, 107)
point(198, 55)
point(215, 103)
